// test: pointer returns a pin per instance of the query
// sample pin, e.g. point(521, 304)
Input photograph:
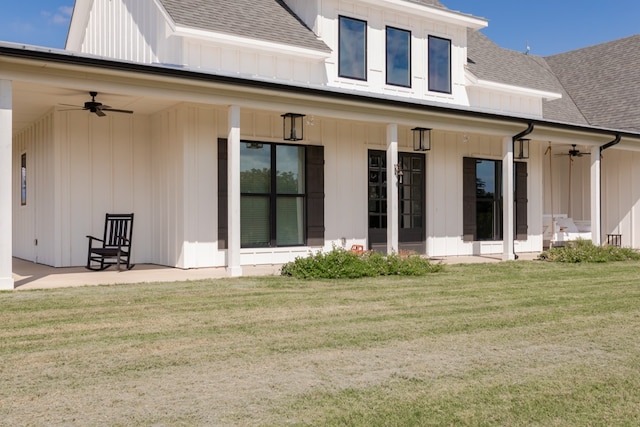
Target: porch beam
point(508, 200)
point(234, 268)
point(393, 222)
point(6, 169)
point(596, 198)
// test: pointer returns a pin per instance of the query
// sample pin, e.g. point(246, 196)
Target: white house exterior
point(205, 167)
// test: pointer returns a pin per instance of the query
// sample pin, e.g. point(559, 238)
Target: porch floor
point(29, 275)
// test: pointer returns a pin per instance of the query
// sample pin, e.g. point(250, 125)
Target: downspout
point(514, 138)
point(602, 148)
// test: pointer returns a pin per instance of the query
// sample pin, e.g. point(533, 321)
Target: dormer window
point(352, 62)
point(439, 64)
point(398, 57)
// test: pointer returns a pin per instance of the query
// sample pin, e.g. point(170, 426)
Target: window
point(272, 186)
point(23, 179)
point(278, 208)
point(398, 57)
point(488, 200)
point(439, 64)
point(352, 61)
point(482, 200)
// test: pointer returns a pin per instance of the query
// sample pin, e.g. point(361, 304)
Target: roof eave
point(253, 44)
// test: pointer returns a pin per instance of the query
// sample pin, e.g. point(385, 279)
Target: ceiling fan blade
point(115, 110)
point(72, 105)
point(99, 112)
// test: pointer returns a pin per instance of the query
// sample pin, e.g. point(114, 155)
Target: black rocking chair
point(115, 246)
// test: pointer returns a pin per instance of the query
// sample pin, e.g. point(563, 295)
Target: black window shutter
point(315, 195)
point(223, 223)
point(469, 226)
point(522, 227)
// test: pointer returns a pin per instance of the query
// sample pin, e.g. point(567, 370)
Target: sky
point(546, 26)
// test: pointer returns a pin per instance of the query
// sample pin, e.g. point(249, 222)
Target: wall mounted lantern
point(292, 127)
point(521, 148)
point(421, 139)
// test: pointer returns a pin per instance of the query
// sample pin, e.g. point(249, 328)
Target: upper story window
point(398, 57)
point(352, 61)
point(439, 64)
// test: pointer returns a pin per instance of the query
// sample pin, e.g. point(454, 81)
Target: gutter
point(514, 138)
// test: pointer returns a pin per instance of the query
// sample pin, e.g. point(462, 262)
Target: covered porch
point(161, 162)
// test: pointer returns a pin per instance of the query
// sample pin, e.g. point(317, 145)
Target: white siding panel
point(133, 30)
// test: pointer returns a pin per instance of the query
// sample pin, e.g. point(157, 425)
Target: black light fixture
point(521, 148)
point(421, 139)
point(292, 127)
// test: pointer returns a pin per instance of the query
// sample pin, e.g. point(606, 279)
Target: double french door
point(411, 201)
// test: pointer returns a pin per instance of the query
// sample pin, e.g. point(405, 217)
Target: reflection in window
point(23, 179)
point(488, 199)
point(352, 62)
point(439, 64)
point(398, 57)
point(272, 189)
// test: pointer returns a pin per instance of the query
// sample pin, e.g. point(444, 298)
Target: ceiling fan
point(97, 107)
point(573, 152)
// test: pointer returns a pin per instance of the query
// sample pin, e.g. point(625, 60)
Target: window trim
point(429, 62)
point(366, 49)
point(409, 57)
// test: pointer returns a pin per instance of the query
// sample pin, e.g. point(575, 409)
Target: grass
point(520, 343)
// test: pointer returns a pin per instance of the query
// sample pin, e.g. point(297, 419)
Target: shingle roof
point(603, 81)
point(488, 61)
point(269, 20)
point(600, 85)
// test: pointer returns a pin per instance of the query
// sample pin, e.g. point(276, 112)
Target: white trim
point(431, 12)
point(596, 197)
point(392, 189)
point(519, 90)
point(78, 24)
point(234, 268)
point(6, 172)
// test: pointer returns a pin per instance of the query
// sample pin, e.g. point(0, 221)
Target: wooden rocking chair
point(115, 246)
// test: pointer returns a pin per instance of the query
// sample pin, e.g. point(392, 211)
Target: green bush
point(342, 264)
point(586, 251)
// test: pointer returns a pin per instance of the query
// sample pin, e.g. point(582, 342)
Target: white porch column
point(6, 169)
point(393, 222)
point(508, 200)
point(596, 197)
point(233, 176)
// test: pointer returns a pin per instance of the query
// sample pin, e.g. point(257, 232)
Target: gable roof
point(269, 20)
point(603, 81)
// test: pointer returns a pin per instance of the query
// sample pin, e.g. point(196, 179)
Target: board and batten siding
point(621, 195)
point(445, 194)
point(131, 30)
point(33, 223)
point(80, 167)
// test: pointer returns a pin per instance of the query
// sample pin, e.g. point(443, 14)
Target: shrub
point(586, 251)
point(342, 264)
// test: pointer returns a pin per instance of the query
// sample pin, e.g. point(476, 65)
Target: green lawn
point(524, 343)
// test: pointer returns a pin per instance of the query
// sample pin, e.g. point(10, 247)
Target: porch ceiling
point(31, 101)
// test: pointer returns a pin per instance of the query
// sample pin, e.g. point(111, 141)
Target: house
point(265, 129)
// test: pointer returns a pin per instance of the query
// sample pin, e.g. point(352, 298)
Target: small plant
point(585, 251)
point(343, 264)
